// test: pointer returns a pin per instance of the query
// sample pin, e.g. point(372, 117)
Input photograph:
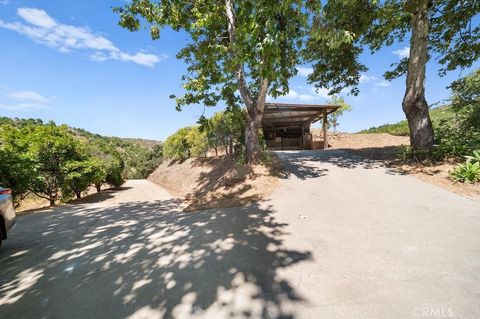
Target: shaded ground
point(136, 255)
point(385, 148)
point(342, 237)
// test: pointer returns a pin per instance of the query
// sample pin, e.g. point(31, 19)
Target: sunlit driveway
point(342, 237)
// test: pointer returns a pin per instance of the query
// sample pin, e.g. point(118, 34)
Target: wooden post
point(302, 143)
point(325, 127)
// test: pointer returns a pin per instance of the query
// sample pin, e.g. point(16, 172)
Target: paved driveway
point(341, 238)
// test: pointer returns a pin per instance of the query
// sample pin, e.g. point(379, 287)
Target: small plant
point(475, 157)
point(467, 172)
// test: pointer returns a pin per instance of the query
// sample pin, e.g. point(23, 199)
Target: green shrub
point(475, 157)
point(467, 172)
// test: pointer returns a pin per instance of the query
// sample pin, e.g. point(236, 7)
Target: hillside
point(140, 156)
point(216, 181)
point(437, 115)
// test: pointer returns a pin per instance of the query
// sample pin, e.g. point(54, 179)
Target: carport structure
point(287, 126)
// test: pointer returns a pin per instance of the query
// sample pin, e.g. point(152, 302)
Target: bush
point(223, 131)
point(475, 157)
point(458, 131)
point(53, 163)
point(178, 146)
point(467, 172)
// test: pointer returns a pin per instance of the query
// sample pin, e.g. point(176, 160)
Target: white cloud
point(310, 96)
point(382, 83)
point(402, 53)
point(364, 78)
point(25, 100)
point(322, 92)
point(373, 80)
point(292, 94)
point(29, 97)
point(43, 29)
point(307, 98)
point(302, 71)
point(36, 17)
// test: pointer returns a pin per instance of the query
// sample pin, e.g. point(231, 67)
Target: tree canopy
point(54, 162)
point(445, 30)
point(249, 47)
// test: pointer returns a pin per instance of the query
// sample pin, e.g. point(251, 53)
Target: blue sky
point(69, 61)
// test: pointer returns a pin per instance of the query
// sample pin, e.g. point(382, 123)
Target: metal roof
point(284, 115)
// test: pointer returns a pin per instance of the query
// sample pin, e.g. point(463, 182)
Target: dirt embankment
point(374, 146)
point(215, 181)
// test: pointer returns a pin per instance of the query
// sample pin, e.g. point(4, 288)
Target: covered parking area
point(287, 126)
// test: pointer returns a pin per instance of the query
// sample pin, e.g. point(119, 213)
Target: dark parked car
point(7, 213)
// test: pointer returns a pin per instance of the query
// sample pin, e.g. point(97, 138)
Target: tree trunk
point(98, 187)
point(414, 104)
point(255, 105)
point(52, 202)
point(78, 195)
point(252, 141)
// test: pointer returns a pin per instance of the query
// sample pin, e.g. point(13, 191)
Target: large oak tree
point(237, 51)
point(446, 30)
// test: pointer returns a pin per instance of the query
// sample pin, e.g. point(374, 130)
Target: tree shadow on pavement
point(304, 164)
point(148, 260)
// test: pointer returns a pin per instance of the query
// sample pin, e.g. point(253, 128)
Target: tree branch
point(262, 95)
point(240, 74)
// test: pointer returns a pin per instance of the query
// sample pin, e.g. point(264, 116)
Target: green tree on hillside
point(108, 162)
point(176, 146)
point(79, 176)
point(466, 102)
point(45, 149)
point(249, 47)
point(197, 142)
point(333, 117)
point(15, 173)
point(224, 129)
point(445, 30)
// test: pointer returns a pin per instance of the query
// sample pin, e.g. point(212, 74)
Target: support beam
point(302, 138)
point(325, 127)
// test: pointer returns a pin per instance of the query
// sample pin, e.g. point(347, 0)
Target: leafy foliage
point(446, 30)
point(461, 135)
point(223, 131)
point(140, 157)
point(466, 102)
point(346, 28)
point(179, 145)
point(249, 47)
point(467, 172)
point(46, 150)
point(79, 175)
point(56, 162)
point(475, 157)
point(333, 117)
